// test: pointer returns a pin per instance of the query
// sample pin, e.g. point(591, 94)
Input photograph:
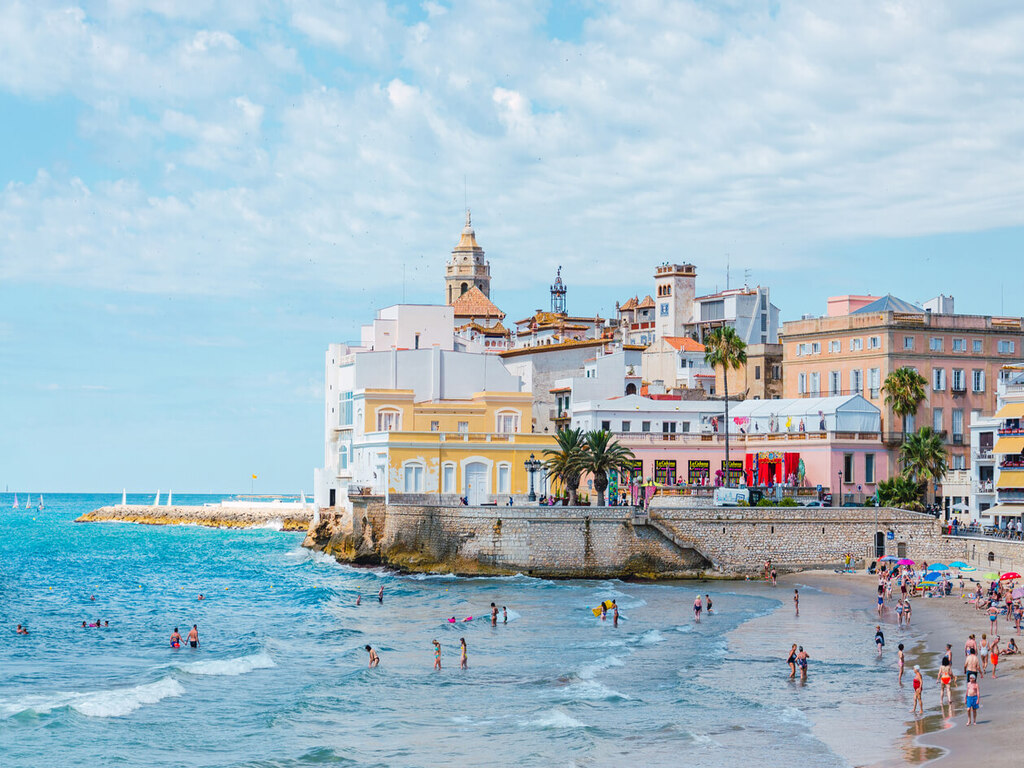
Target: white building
point(678, 362)
point(410, 326)
point(635, 413)
point(997, 451)
point(605, 376)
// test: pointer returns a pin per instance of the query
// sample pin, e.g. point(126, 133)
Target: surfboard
point(607, 604)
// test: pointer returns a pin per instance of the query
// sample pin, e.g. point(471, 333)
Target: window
point(757, 373)
point(835, 382)
point(345, 409)
point(978, 380)
point(776, 372)
point(869, 467)
point(856, 345)
point(504, 478)
point(508, 422)
point(435, 426)
point(448, 478)
point(959, 345)
point(645, 426)
point(908, 342)
point(668, 427)
point(1006, 347)
point(847, 467)
point(664, 309)
point(343, 456)
point(816, 348)
point(911, 421)
point(976, 345)
point(801, 384)
point(935, 344)
point(815, 384)
point(856, 381)
point(874, 342)
point(834, 347)
point(958, 425)
point(875, 381)
point(463, 427)
point(625, 426)
point(686, 426)
point(959, 380)
point(413, 478)
point(938, 379)
point(416, 342)
point(958, 462)
point(389, 420)
point(937, 419)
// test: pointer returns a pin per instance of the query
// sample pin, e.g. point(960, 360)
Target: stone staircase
point(677, 539)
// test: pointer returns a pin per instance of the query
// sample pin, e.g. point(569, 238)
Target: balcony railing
point(738, 439)
point(983, 454)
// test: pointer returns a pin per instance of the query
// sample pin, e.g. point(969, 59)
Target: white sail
point(303, 495)
point(124, 497)
point(168, 498)
point(15, 504)
point(156, 501)
point(28, 502)
point(40, 507)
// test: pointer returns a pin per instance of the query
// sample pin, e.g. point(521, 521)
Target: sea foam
point(115, 702)
point(229, 667)
point(555, 718)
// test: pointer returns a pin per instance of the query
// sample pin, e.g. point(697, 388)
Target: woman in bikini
point(983, 654)
point(465, 656)
point(994, 654)
point(945, 678)
point(437, 655)
point(792, 662)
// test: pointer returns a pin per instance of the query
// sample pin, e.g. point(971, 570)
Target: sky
point(196, 198)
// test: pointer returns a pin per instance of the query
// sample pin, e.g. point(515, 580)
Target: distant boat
point(168, 498)
point(15, 504)
point(40, 507)
point(124, 497)
point(156, 501)
point(28, 504)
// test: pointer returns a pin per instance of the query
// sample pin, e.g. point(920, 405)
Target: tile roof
point(647, 303)
point(473, 303)
point(684, 343)
point(889, 303)
point(631, 304)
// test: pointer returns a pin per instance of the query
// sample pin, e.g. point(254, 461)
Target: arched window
point(389, 420)
point(504, 478)
point(465, 287)
point(342, 457)
point(448, 478)
point(631, 389)
point(507, 422)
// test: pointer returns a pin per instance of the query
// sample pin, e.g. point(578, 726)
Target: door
point(879, 544)
point(477, 489)
point(333, 499)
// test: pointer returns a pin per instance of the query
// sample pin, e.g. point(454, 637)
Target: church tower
point(467, 268)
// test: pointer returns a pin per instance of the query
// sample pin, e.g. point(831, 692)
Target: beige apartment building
point(864, 338)
point(760, 379)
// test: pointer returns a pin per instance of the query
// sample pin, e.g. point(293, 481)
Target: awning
point(1011, 478)
point(1011, 411)
point(1005, 509)
point(1012, 445)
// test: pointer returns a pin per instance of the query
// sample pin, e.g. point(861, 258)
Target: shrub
point(788, 501)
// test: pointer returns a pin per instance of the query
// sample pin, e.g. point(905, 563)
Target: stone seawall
point(212, 516)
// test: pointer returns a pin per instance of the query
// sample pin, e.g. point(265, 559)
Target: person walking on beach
point(899, 613)
point(945, 677)
point(983, 654)
point(906, 614)
point(175, 637)
point(801, 661)
point(791, 660)
point(380, 594)
point(796, 601)
point(949, 653)
point(193, 636)
point(918, 689)
point(994, 653)
point(973, 697)
point(881, 598)
point(437, 654)
point(879, 640)
point(374, 658)
point(465, 656)
point(993, 616)
point(901, 660)
point(494, 614)
point(971, 663)
point(697, 608)
point(775, 577)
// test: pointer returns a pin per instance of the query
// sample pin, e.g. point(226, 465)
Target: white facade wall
point(697, 414)
point(410, 326)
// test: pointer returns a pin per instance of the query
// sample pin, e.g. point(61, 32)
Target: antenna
point(746, 278)
point(727, 271)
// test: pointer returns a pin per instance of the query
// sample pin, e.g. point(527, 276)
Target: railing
point(1011, 495)
point(831, 393)
point(983, 454)
point(1011, 430)
point(736, 439)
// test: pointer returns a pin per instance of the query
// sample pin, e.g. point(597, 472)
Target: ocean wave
point(229, 667)
point(592, 690)
point(115, 702)
point(275, 524)
point(650, 637)
point(555, 718)
point(587, 671)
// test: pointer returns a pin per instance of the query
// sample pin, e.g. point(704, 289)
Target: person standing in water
point(994, 654)
point(707, 603)
point(359, 599)
point(175, 637)
point(796, 601)
point(604, 611)
point(380, 594)
point(504, 614)
point(791, 660)
point(973, 698)
point(879, 639)
point(918, 689)
point(698, 606)
point(615, 614)
point(801, 661)
point(193, 636)
point(494, 614)
point(901, 661)
point(374, 658)
point(437, 655)
point(465, 657)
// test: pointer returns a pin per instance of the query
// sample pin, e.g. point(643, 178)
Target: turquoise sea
point(281, 677)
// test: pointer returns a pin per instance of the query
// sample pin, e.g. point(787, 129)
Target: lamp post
point(839, 488)
point(532, 465)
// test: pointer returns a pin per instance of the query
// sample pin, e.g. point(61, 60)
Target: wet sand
point(939, 737)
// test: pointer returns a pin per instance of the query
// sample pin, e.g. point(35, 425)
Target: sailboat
point(40, 507)
point(156, 501)
point(168, 498)
point(28, 504)
point(124, 497)
point(15, 504)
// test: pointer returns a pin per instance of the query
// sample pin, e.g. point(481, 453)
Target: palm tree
point(904, 392)
point(723, 348)
point(602, 456)
point(924, 458)
point(899, 491)
point(564, 462)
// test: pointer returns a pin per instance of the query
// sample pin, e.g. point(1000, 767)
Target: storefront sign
point(665, 471)
point(735, 470)
point(698, 471)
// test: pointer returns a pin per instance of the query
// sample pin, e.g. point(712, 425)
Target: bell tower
point(467, 267)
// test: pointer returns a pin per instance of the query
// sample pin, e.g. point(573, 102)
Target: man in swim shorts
point(193, 636)
point(175, 638)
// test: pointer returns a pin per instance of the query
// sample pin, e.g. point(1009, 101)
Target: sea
point(280, 679)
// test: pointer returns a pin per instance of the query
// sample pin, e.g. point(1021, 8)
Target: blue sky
point(196, 198)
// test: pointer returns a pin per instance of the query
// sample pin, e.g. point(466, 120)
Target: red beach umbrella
point(1009, 575)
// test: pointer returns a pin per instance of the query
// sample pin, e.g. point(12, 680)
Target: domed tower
point(467, 267)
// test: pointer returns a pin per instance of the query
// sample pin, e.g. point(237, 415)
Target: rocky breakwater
point(212, 516)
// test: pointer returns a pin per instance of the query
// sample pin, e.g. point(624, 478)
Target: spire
point(558, 294)
point(469, 220)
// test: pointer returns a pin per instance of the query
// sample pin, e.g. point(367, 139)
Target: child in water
point(465, 657)
point(437, 655)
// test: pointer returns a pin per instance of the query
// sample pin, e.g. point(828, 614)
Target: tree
point(899, 491)
point(924, 458)
point(723, 348)
point(565, 461)
point(602, 456)
point(904, 392)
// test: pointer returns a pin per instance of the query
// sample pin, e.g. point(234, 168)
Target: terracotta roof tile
point(473, 303)
point(684, 343)
point(647, 303)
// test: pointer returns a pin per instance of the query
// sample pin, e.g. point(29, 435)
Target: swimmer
point(193, 636)
point(879, 639)
point(494, 615)
point(697, 608)
point(175, 637)
point(437, 655)
point(901, 660)
point(380, 594)
point(707, 600)
point(84, 625)
point(374, 658)
point(796, 601)
point(92, 597)
point(359, 599)
point(451, 620)
point(791, 660)
point(615, 614)
point(106, 623)
point(465, 655)
point(918, 687)
point(504, 613)
point(604, 611)
point(21, 630)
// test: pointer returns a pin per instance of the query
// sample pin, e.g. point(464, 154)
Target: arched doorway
point(477, 485)
point(631, 389)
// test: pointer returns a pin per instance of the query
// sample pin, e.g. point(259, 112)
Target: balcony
point(983, 454)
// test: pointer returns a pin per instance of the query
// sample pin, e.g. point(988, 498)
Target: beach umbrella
point(957, 564)
point(968, 569)
point(927, 583)
point(938, 567)
point(890, 559)
point(991, 576)
point(905, 561)
point(1009, 575)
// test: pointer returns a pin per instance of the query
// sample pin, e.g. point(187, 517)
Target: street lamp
point(839, 488)
point(532, 465)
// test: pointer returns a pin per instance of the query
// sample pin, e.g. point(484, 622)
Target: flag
point(254, 477)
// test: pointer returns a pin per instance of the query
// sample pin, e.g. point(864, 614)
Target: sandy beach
point(939, 737)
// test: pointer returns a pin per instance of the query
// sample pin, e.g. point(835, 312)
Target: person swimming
point(21, 630)
point(175, 638)
point(374, 658)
